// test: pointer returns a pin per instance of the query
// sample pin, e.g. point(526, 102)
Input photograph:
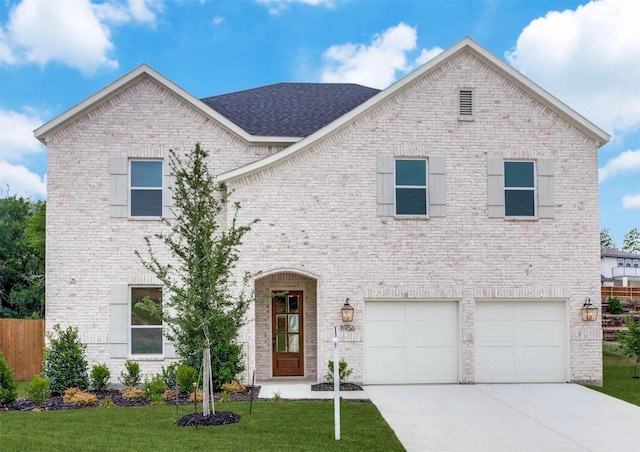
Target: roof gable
point(467, 44)
point(289, 109)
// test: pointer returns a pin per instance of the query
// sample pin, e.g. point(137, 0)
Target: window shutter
point(169, 181)
point(118, 187)
point(546, 201)
point(437, 187)
point(495, 194)
point(466, 104)
point(386, 186)
point(119, 321)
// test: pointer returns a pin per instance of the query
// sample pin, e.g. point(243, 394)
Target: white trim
point(424, 187)
point(130, 326)
point(579, 121)
point(160, 189)
point(534, 189)
point(43, 132)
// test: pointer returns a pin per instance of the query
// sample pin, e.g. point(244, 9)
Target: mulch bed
point(219, 418)
point(329, 387)
point(56, 402)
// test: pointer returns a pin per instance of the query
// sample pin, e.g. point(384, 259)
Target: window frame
point(131, 188)
point(533, 189)
point(425, 187)
point(621, 262)
point(131, 327)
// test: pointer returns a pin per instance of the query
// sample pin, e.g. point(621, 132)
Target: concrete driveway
point(507, 417)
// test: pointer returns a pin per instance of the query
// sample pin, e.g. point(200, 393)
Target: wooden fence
point(22, 344)
point(620, 292)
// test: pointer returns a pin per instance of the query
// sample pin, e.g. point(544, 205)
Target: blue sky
point(56, 53)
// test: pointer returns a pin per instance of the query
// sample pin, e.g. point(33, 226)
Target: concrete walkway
point(300, 390)
point(507, 417)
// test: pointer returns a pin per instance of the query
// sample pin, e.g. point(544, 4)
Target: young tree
point(201, 304)
point(605, 239)
point(630, 340)
point(631, 242)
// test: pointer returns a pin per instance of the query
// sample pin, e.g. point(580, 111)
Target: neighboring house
point(446, 208)
point(619, 268)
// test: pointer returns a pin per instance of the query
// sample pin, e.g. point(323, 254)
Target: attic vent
point(466, 104)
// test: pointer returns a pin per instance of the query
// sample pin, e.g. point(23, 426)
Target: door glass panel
point(281, 305)
point(293, 323)
point(281, 343)
point(294, 346)
point(281, 323)
point(293, 303)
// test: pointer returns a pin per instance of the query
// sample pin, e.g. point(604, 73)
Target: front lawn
point(290, 425)
point(617, 381)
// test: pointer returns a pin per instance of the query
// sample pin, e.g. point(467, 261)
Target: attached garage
point(411, 342)
point(520, 341)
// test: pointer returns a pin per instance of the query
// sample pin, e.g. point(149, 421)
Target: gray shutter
point(495, 194)
point(386, 186)
point(119, 321)
point(437, 187)
point(546, 201)
point(169, 181)
point(119, 187)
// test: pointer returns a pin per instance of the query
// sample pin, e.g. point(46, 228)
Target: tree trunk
point(207, 383)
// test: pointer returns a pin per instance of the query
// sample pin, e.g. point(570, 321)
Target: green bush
point(630, 340)
point(343, 371)
point(65, 365)
point(8, 390)
point(107, 402)
point(170, 375)
point(154, 388)
point(131, 375)
point(186, 378)
point(100, 375)
point(615, 307)
point(39, 390)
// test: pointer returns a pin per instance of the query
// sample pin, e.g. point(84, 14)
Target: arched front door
point(287, 334)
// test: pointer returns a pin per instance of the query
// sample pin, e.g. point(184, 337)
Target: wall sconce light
point(347, 316)
point(588, 312)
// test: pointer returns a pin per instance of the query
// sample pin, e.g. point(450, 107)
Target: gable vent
point(466, 104)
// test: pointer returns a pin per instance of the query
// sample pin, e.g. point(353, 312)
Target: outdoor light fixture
point(347, 312)
point(588, 312)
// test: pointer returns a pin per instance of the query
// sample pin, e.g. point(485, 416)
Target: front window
point(146, 188)
point(620, 262)
point(411, 187)
point(146, 330)
point(519, 189)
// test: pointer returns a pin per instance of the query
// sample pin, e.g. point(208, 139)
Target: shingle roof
point(289, 109)
point(610, 252)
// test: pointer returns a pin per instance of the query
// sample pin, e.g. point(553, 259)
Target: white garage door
point(520, 341)
point(411, 342)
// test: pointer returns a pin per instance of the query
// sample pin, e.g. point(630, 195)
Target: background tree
point(201, 307)
point(605, 239)
point(22, 257)
point(631, 242)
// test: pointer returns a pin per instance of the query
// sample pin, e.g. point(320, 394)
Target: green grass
point(287, 426)
point(617, 381)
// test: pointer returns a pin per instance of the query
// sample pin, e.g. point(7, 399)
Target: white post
point(336, 383)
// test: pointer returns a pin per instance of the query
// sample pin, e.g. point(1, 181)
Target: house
point(619, 268)
point(445, 208)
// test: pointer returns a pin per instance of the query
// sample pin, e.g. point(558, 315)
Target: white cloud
point(589, 59)
point(73, 32)
point(17, 137)
point(277, 6)
point(631, 202)
point(624, 162)
point(377, 64)
point(18, 180)
point(217, 20)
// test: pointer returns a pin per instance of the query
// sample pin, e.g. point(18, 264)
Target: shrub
point(131, 375)
point(225, 397)
point(630, 340)
point(79, 397)
point(170, 375)
point(65, 365)
point(154, 388)
point(8, 391)
point(343, 371)
point(171, 393)
point(615, 307)
point(131, 393)
point(39, 390)
point(100, 375)
point(186, 378)
point(157, 399)
point(197, 396)
point(234, 387)
point(107, 402)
